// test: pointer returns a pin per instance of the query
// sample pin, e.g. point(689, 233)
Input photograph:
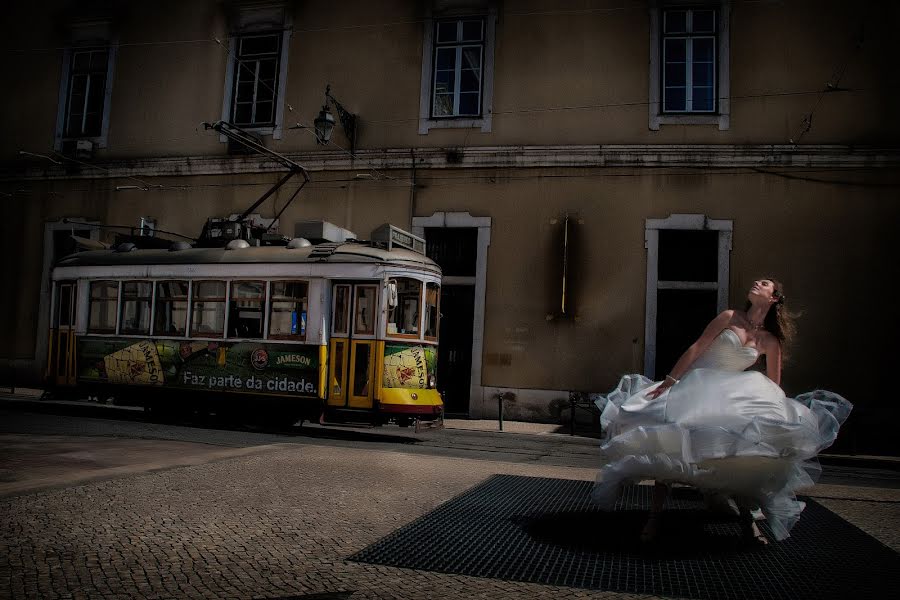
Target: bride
point(711, 424)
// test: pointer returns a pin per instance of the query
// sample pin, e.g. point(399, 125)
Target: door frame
point(41, 351)
point(651, 243)
point(477, 391)
point(63, 360)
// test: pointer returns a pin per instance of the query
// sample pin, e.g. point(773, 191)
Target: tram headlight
point(432, 382)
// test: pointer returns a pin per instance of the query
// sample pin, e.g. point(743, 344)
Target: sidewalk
point(29, 399)
point(288, 521)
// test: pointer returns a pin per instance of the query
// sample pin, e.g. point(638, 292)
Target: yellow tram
point(340, 330)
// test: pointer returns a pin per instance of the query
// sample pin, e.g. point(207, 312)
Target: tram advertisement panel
point(213, 366)
point(408, 366)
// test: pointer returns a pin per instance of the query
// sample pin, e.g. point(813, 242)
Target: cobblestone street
point(279, 522)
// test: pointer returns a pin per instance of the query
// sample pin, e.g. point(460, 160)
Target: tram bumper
point(423, 405)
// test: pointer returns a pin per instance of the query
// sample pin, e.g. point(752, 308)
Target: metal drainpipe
point(412, 190)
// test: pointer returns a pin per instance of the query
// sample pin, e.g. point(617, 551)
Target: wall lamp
point(324, 123)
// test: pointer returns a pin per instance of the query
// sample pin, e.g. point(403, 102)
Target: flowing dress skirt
point(729, 432)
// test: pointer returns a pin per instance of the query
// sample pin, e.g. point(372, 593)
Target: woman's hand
point(661, 388)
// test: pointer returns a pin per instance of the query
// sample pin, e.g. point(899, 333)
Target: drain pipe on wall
point(412, 189)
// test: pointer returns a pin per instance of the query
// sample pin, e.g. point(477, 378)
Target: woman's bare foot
point(754, 537)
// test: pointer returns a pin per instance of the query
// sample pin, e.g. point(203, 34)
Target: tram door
point(63, 353)
point(352, 356)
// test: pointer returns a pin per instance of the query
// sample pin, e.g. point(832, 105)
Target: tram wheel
point(404, 421)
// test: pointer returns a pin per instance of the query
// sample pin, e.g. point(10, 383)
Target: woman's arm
point(773, 360)
point(714, 328)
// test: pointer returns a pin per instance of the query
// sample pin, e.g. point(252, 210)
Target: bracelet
point(674, 381)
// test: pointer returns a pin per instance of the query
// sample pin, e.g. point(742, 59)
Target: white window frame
point(483, 121)
point(270, 18)
point(84, 36)
point(722, 89)
point(651, 243)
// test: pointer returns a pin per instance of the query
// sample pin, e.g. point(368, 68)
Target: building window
point(689, 61)
point(256, 80)
point(208, 309)
point(287, 313)
point(458, 58)
point(245, 312)
point(404, 318)
point(136, 296)
point(171, 308)
point(257, 67)
point(103, 304)
point(458, 69)
point(87, 92)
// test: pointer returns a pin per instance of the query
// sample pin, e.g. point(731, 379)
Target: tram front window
point(404, 318)
point(245, 313)
point(432, 298)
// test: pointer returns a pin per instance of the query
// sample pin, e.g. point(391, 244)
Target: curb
point(82, 408)
point(72, 408)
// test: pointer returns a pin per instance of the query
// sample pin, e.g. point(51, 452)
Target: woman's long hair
point(779, 321)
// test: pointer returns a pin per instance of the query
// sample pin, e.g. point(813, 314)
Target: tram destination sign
point(249, 367)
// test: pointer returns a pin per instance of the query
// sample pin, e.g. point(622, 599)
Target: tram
point(338, 330)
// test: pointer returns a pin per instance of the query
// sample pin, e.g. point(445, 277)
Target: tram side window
point(404, 318)
point(171, 308)
point(287, 315)
point(245, 313)
point(104, 301)
point(208, 313)
point(135, 316)
point(432, 311)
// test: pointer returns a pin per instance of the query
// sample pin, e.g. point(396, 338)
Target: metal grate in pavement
point(547, 531)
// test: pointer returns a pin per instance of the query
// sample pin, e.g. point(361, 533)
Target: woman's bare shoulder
point(728, 315)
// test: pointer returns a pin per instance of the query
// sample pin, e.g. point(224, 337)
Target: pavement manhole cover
point(547, 531)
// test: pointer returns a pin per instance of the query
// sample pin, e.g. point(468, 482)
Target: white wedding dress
point(721, 429)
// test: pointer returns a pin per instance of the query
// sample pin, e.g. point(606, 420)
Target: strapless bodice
point(727, 354)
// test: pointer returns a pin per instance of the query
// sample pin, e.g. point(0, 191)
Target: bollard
point(573, 401)
point(500, 398)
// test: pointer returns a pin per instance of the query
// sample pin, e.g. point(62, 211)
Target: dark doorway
point(454, 368)
point(688, 260)
point(455, 249)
